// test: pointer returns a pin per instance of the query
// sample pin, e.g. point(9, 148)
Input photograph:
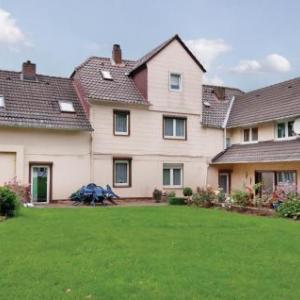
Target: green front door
point(40, 183)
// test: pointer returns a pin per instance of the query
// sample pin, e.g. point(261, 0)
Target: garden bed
point(258, 211)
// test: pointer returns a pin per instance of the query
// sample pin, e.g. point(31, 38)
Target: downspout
point(91, 147)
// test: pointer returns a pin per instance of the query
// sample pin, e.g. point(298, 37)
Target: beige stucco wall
point(244, 174)
point(68, 151)
point(175, 59)
point(145, 145)
point(266, 132)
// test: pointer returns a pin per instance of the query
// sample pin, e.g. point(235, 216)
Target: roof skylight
point(66, 106)
point(2, 102)
point(106, 75)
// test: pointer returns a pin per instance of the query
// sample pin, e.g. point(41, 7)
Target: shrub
point(171, 194)
point(240, 198)
point(290, 208)
point(204, 197)
point(177, 201)
point(187, 191)
point(157, 195)
point(21, 190)
point(9, 202)
point(221, 196)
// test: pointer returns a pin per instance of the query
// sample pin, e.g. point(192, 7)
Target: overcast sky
point(245, 44)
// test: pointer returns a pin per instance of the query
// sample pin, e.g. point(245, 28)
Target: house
point(144, 124)
point(264, 147)
point(147, 120)
point(44, 134)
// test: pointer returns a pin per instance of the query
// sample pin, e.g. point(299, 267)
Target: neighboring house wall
point(244, 174)
point(266, 132)
point(146, 146)
point(67, 150)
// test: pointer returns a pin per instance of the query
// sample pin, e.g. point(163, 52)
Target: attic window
point(2, 102)
point(106, 75)
point(66, 106)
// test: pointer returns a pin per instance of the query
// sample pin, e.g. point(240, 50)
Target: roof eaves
point(164, 45)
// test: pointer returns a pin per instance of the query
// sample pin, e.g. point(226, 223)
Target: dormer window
point(2, 102)
point(66, 106)
point(106, 75)
point(285, 130)
point(175, 82)
point(250, 135)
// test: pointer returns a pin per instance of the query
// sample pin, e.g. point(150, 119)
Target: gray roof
point(214, 115)
point(36, 103)
point(122, 88)
point(268, 151)
point(267, 104)
point(143, 60)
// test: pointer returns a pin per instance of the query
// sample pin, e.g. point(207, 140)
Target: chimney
point(28, 70)
point(117, 54)
point(219, 92)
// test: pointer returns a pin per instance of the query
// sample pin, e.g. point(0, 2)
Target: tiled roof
point(267, 104)
point(36, 103)
point(269, 151)
point(143, 60)
point(214, 114)
point(122, 88)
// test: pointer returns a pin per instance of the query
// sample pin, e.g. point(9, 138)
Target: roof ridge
point(38, 74)
point(272, 85)
point(224, 86)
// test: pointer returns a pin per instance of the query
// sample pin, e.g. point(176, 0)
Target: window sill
point(169, 187)
point(251, 142)
point(286, 139)
point(175, 138)
point(120, 134)
point(121, 186)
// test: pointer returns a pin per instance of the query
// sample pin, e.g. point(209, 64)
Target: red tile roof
point(36, 103)
point(121, 88)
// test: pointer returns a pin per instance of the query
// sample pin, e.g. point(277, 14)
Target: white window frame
point(171, 168)
point(121, 161)
point(180, 82)
point(2, 101)
point(106, 74)
point(250, 135)
point(123, 133)
point(174, 136)
point(63, 109)
point(286, 129)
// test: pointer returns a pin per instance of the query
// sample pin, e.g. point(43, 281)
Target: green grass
point(148, 253)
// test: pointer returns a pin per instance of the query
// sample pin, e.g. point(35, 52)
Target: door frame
point(49, 165)
point(228, 173)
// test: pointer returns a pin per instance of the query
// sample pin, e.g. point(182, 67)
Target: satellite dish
point(206, 103)
point(296, 126)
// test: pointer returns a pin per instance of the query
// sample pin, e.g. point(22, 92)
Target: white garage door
point(7, 167)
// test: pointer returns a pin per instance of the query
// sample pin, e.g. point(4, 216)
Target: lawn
point(148, 253)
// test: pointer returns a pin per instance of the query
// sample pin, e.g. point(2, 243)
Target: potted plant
point(188, 192)
point(157, 195)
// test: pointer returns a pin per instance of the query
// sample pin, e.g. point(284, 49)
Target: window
point(228, 142)
point(250, 135)
point(121, 122)
point(66, 106)
point(172, 175)
point(174, 128)
point(106, 75)
point(286, 177)
point(122, 172)
point(2, 102)
point(175, 82)
point(246, 135)
point(285, 130)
